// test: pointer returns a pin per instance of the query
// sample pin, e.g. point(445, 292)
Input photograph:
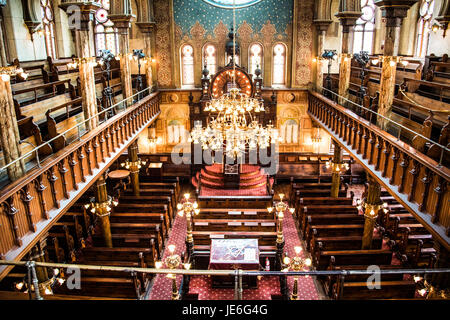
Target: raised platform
point(253, 182)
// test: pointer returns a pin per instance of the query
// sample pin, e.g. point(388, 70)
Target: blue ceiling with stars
point(188, 12)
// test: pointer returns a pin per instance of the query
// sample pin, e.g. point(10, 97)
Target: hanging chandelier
point(234, 128)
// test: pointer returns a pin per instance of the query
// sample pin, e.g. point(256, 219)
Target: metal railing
point(124, 106)
point(399, 126)
point(237, 273)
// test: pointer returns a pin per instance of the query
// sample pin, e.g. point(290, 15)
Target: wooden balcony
point(30, 205)
point(418, 182)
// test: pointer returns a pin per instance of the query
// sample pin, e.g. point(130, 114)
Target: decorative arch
point(48, 25)
point(255, 57)
point(209, 57)
point(106, 35)
point(279, 64)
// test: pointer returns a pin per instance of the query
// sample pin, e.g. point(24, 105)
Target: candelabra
point(371, 210)
point(337, 167)
point(173, 261)
point(129, 164)
point(190, 209)
point(280, 208)
point(297, 263)
point(428, 291)
point(138, 54)
point(101, 208)
point(329, 55)
point(45, 287)
point(106, 56)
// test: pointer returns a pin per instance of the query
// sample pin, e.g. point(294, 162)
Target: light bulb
point(171, 248)
point(270, 209)
point(61, 281)
point(187, 266)
point(181, 213)
point(286, 260)
point(308, 262)
point(187, 195)
point(6, 77)
point(158, 264)
point(179, 206)
point(195, 205)
point(196, 211)
point(55, 272)
point(48, 291)
point(19, 285)
point(298, 249)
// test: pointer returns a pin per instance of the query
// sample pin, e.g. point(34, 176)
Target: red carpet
point(162, 288)
point(253, 182)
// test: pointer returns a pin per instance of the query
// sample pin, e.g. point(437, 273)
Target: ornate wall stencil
point(268, 31)
point(221, 32)
point(304, 42)
point(188, 12)
point(163, 47)
point(245, 32)
point(197, 32)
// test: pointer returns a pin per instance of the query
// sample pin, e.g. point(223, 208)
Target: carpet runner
point(162, 286)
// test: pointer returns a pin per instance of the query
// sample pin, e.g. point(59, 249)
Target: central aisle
point(162, 286)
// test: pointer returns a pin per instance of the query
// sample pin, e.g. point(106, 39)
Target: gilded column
point(147, 31)
point(335, 175)
point(134, 166)
point(372, 206)
point(86, 57)
point(322, 27)
point(101, 196)
point(349, 12)
point(9, 130)
point(393, 11)
point(123, 24)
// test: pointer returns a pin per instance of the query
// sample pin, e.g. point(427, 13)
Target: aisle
point(162, 287)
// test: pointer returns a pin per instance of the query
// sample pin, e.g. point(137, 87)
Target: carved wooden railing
point(415, 180)
point(30, 205)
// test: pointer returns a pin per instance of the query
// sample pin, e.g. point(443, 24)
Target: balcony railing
point(30, 205)
point(417, 181)
point(238, 274)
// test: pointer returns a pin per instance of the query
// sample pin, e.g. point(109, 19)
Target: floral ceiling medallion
point(228, 4)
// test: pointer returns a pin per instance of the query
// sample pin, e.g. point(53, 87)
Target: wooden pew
point(402, 289)
point(326, 259)
point(58, 123)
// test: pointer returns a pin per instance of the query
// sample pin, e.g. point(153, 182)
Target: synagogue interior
point(224, 150)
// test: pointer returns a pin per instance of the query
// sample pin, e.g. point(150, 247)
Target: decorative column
point(322, 20)
point(85, 52)
point(3, 60)
point(393, 11)
point(335, 175)
point(147, 30)
point(134, 166)
point(101, 209)
point(349, 12)
point(372, 205)
point(121, 17)
point(9, 130)
point(444, 16)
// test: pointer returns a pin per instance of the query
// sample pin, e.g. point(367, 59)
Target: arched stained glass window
point(279, 65)
point(365, 27)
point(106, 36)
point(423, 27)
point(209, 58)
point(255, 58)
point(49, 27)
point(187, 65)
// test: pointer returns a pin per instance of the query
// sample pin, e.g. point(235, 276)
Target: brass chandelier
point(234, 128)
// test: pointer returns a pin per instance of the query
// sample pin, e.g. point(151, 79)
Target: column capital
point(122, 21)
point(394, 11)
point(87, 11)
point(146, 27)
point(348, 19)
point(322, 25)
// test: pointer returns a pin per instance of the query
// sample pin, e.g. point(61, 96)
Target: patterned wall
point(188, 12)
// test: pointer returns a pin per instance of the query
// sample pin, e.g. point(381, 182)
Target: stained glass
point(279, 65)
